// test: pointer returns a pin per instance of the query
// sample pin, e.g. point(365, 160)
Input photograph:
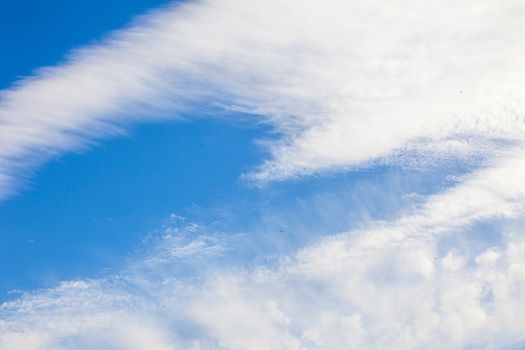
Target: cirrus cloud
point(343, 83)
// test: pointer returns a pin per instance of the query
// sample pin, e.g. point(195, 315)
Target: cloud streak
point(399, 284)
point(343, 83)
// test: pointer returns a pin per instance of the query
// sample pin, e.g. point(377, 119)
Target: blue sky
point(261, 175)
point(44, 36)
point(35, 34)
point(92, 208)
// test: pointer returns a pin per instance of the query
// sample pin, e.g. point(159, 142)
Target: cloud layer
point(345, 84)
point(424, 280)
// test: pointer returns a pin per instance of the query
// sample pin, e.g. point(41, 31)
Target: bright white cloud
point(401, 285)
point(345, 83)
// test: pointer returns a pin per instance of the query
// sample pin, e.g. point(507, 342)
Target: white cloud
point(403, 285)
point(345, 83)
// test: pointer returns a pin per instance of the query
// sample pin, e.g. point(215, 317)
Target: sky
point(283, 174)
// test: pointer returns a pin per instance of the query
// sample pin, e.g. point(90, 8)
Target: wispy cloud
point(344, 83)
point(399, 284)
